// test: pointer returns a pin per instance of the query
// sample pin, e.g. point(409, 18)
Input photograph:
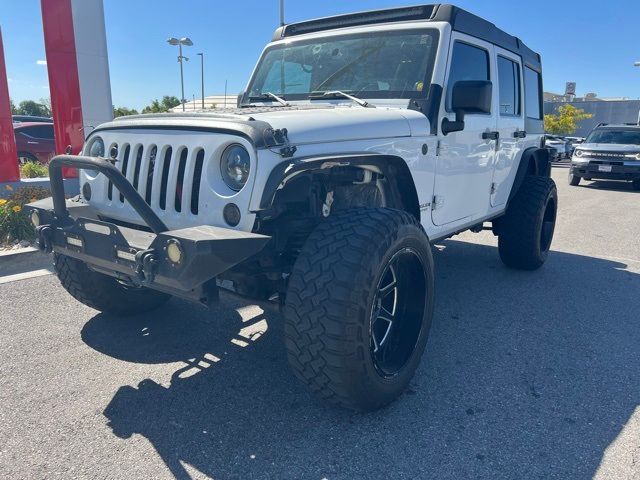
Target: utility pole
point(202, 76)
point(186, 41)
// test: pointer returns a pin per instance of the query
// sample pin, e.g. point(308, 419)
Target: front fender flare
point(393, 168)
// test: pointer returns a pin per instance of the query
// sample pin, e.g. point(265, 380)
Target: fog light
point(174, 251)
point(231, 214)
point(75, 241)
point(35, 218)
point(86, 191)
point(124, 255)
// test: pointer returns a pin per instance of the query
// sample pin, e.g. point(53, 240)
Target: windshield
point(394, 64)
point(624, 137)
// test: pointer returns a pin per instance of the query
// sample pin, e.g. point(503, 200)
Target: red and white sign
point(78, 67)
point(8, 156)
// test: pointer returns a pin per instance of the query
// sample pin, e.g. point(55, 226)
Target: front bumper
point(138, 257)
point(606, 170)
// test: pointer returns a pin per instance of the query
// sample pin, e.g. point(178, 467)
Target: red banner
point(9, 171)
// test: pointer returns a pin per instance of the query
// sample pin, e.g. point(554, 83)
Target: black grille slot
point(153, 152)
point(166, 164)
point(180, 181)
point(195, 186)
point(125, 164)
point(136, 168)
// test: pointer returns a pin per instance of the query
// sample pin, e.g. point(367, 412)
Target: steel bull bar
point(180, 262)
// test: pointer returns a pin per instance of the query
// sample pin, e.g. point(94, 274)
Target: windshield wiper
point(338, 94)
point(270, 96)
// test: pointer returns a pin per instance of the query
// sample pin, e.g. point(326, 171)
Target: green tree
point(160, 106)
point(565, 122)
point(123, 111)
point(30, 107)
point(14, 110)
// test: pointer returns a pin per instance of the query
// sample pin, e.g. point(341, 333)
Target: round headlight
point(235, 165)
point(96, 149)
point(579, 153)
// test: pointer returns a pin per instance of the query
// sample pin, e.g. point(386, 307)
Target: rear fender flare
point(534, 161)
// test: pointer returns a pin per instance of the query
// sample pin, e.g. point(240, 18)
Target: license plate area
point(604, 168)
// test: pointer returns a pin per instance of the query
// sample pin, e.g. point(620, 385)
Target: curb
point(14, 262)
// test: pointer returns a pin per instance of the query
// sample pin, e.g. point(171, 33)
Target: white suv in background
point(610, 152)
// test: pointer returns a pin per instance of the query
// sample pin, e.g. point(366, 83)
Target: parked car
point(35, 142)
point(30, 118)
point(610, 152)
point(361, 140)
point(561, 145)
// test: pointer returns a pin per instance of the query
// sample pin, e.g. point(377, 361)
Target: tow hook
point(146, 265)
point(45, 235)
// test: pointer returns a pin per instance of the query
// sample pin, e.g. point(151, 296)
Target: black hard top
point(460, 20)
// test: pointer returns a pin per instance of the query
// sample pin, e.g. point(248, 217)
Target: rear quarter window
point(533, 89)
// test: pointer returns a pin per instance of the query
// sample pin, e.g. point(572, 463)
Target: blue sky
point(592, 43)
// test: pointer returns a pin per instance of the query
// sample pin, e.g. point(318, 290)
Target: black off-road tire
point(329, 306)
point(574, 180)
point(526, 230)
point(102, 292)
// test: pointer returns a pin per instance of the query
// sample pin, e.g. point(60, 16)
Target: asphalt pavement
point(526, 375)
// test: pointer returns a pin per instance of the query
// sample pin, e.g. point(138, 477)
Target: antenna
point(281, 13)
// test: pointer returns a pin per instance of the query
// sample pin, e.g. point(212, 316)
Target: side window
point(532, 88)
point(509, 79)
point(467, 63)
point(44, 132)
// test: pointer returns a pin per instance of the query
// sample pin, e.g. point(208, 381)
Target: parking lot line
point(26, 275)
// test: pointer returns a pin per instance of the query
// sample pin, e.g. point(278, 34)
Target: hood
point(609, 147)
point(340, 124)
point(305, 124)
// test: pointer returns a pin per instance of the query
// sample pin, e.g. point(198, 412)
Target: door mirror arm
point(457, 125)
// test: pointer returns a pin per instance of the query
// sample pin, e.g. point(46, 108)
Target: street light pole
point(637, 64)
point(182, 99)
point(188, 43)
point(202, 76)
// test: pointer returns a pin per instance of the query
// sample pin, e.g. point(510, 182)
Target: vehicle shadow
point(526, 375)
point(619, 186)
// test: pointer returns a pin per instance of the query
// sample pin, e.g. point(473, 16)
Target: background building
point(604, 110)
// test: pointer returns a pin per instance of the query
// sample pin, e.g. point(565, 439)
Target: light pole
point(187, 43)
point(202, 76)
point(637, 64)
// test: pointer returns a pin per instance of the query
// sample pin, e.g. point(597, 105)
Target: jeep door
point(510, 118)
point(464, 165)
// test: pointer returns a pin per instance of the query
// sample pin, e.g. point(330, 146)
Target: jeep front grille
point(166, 177)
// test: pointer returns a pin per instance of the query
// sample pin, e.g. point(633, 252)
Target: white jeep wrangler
point(360, 140)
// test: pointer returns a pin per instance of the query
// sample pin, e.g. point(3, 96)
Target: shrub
point(15, 224)
point(33, 170)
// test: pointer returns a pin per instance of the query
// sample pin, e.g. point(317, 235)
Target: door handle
point(490, 135)
point(33, 143)
point(519, 134)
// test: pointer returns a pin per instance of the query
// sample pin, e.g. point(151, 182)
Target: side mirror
point(468, 96)
point(240, 100)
